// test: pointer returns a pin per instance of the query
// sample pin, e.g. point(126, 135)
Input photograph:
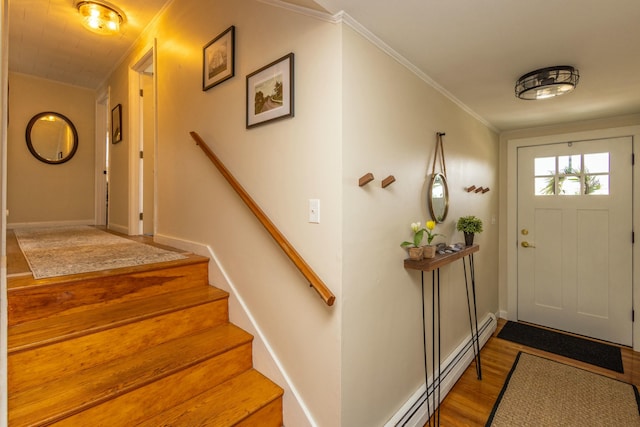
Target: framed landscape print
point(270, 92)
point(218, 62)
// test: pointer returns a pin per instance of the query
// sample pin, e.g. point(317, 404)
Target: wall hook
point(365, 179)
point(470, 189)
point(388, 181)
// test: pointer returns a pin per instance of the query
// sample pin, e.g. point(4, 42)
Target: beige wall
point(281, 165)
point(38, 192)
point(356, 111)
point(390, 121)
point(119, 167)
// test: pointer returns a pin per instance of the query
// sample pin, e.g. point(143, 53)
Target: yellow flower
point(430, 226)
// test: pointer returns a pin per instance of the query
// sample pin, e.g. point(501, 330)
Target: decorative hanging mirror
point(51, 138)
point(438, 190)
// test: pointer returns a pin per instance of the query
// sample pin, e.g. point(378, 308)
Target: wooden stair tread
point(39, 332)
point(22, 281)
point(44, 298)
point(225, 405)
point(57, 399)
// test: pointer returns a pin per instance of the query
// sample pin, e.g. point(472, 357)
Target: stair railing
point(315, 281)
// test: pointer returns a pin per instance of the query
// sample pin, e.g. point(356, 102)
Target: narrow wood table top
point(440, 260)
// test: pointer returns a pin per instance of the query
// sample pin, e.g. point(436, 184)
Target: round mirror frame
point(445, 188)
point(33, 150)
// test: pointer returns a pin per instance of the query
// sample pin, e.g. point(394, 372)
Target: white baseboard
point(122, 229)
point(414, 412)
point(43, 224)
point(300, 414)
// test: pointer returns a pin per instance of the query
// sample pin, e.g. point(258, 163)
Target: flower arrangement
point(430, 226)
point(418, 234)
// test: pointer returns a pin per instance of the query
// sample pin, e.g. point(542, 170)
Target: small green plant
point(469, 224)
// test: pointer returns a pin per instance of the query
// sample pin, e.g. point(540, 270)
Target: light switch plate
point(314, 211)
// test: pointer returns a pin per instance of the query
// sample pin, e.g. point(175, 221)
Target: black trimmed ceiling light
point(547, 82)
point(100, 17)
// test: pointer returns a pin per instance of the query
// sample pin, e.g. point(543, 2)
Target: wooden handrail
point(288, 249)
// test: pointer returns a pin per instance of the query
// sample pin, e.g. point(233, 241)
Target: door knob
point(526, 245)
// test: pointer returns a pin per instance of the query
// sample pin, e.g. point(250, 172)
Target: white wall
point(38, 192)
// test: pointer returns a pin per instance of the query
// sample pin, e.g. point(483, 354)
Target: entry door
point(575, 237)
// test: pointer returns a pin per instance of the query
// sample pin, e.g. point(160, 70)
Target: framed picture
point(116, 124)
point(270, 92)
point(218, 63)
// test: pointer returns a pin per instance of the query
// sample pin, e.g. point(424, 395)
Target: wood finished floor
point(470, 401)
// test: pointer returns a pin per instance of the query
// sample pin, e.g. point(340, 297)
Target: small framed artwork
point(270, 92)
point(218, 63)
point(116, 124)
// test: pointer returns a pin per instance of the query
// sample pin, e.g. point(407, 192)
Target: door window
point(572, 175)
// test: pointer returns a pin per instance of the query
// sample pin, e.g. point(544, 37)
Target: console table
point(433, 265)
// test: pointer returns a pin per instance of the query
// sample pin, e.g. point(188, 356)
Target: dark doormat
point(595, 353)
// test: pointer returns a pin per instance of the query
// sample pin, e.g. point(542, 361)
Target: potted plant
point(469, 225)
point(415, 251)
point(429, 251)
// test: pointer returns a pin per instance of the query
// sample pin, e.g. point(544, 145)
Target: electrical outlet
point(314, 211)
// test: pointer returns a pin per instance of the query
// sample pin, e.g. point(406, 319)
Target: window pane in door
point(596, 163)
point(569, 164)
point(544, 166)
point(596, 184)
point(545, 186)
point(570, 186)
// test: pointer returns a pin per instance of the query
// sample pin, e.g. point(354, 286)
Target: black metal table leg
point(475, 339)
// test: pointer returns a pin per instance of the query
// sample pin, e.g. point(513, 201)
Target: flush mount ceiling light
point(100, 17)
point(547, 82)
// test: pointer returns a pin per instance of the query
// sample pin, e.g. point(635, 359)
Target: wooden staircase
point(147, 346)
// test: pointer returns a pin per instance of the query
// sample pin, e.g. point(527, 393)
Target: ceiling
point(472, 50)
point(47, 39)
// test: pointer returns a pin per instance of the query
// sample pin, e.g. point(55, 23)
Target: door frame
point(511, 232)
point(102, 122)
point(135, 226)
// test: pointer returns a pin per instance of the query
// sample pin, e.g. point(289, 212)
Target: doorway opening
point(102, 161)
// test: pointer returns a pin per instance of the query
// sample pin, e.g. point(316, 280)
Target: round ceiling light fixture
point(100, 17)
point(547, 82)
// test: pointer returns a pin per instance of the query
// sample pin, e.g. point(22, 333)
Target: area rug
point(540, 392)
point(60, 251)
point(595, 353)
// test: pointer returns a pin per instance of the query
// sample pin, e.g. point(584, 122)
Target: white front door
point(575, 237)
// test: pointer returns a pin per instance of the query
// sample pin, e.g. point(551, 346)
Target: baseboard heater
point(414, 412)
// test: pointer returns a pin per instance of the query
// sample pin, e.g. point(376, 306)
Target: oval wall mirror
point(51, 137)
point(438, 197)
